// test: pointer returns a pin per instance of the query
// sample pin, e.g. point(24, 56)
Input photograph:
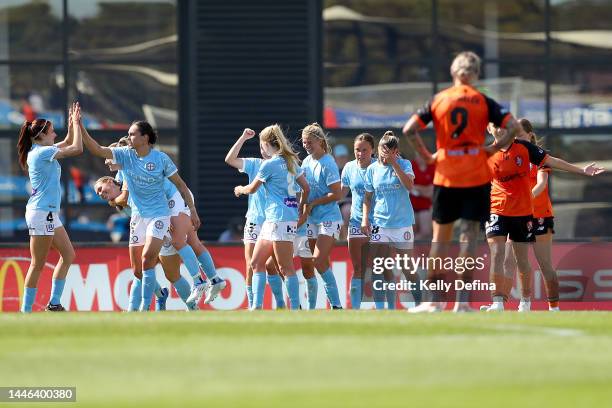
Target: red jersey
point(542, 207)
point(511, 186)
point(460, 115)
point(422, 178)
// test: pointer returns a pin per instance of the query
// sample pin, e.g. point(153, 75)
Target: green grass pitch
point(313, 359)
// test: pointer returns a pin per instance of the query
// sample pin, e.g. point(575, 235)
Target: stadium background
point(203, 70)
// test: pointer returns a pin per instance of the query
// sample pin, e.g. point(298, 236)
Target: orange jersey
point(542, 207)
point(460, 115)
point(511, 186)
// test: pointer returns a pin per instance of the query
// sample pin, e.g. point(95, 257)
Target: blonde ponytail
point(314, 129)
point(273, 135)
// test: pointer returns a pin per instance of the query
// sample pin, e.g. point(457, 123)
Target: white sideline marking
point(553, 331)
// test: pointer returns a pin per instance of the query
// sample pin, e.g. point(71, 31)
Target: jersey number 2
point(462, 123)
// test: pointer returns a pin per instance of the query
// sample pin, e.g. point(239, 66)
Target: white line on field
point(522, 328)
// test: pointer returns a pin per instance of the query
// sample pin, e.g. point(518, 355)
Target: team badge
point(150, 166)
point(519, 161)
point(171, 204)
point(159, 224)
point(407, 235)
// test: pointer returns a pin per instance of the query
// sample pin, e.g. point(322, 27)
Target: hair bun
point(389, 133)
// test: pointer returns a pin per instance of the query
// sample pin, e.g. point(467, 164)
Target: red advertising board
point(100, 277)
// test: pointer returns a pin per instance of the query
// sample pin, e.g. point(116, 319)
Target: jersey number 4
point(459, 116)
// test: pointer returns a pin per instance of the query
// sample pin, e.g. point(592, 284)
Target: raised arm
point(76, 146)
point(68, 139)
point(232, 156)
point(556, 163)
point(248, 189)
point(93, 146)
point(505, 138)
point(186, 194)
point(411, 131)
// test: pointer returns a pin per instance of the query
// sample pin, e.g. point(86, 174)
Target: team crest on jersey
point(134, 239)
point(529, 225)
point(407, 235)
point(519, 161)
point(171, 204)
point(159, 224)
point(150, 166)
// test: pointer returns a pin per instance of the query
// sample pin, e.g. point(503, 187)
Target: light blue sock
point(148, 287)
point(135, 295)
point(259, 287)
point(183, 288)
point(293, 289)
point(276, 284)
point(391, 297)
point(249, 290)
point(157, 290)
point(28, 300)
point(378, 294)
point(356, 293)
point(313, 290)
point(191, 262)
point(208, 265)
point(331, 289)
point(57, 287)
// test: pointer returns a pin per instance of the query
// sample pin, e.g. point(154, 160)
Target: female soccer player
point(324, 218)
point(512, 208)
point(39, 156)
point(146, 169)
point(277, 175)
point(389, 181)
point(353, 179)
point(462, 178)
point(255, 215)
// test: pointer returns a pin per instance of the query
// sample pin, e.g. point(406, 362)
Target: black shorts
point(543, 225)
point(518, 229)
point(468, 203)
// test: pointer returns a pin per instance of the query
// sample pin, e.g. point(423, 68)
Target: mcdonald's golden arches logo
point(19, 278)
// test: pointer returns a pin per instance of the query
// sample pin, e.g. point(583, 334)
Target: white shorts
point(177, 205)
point(354, 231)
point(167, 249)
point(400, 238)
point(140, 228)
point(41, 222)
point(301, 247)
point(329, 228)
point(252, 231)
point(278, 231)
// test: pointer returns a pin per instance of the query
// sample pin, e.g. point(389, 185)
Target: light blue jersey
point(320, 174)
point(353, 177)
point(256, 212)
point(279, 185)
point(169, 187)
point(391, 201)
point(145, 177)
point(45, 173)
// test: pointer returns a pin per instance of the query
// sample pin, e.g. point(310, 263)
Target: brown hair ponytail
point(28, 132)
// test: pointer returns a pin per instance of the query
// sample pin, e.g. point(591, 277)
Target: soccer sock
point(182, 288)
point(191, 263)
point(57, 287)
point(331, 289)
point(157, 290)
point(391, 298)
point(249, 290)
point(28, 300)
point(276, 284)
point(356, 293)
point(208, 266)
point(313, 290)
point(377, 292)
point(135, 295)
point(293, 289)
point(259, 287)
point(148, 287)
